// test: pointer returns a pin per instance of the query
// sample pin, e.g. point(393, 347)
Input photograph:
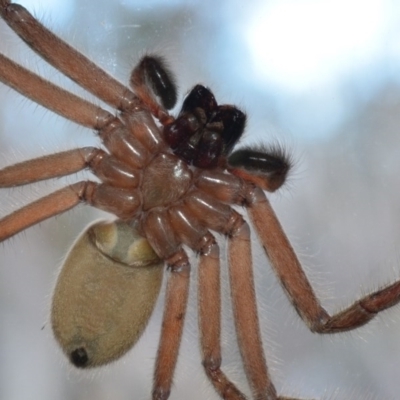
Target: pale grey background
point(321, 78)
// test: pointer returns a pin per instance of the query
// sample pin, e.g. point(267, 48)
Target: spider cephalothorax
point(171, 182)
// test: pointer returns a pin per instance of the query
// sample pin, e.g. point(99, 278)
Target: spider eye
point(79, 357)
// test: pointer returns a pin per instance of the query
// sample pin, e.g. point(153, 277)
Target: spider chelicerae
point(170, 181)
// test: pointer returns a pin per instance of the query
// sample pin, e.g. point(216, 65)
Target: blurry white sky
point(298, 47)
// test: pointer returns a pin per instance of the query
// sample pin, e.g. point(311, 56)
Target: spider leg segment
point(172, 325)
point(182, 219)
point(67, 60)
point(86, 74)
point(46, 207)
point(51, 166)
point(209, 306)
point(245, 313)
point(294, 281)
point(52, 97)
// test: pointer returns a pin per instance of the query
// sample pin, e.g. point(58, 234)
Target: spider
point(170, 181)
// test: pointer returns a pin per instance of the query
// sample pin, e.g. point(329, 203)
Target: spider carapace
point(170, 182)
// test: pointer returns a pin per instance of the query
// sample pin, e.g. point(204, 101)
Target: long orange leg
point(51, 96)
point(194, 235)
point(83, 71)
point(123, 203)
point(209, 299)
point(294, 281)
point(46, 167)
point(46, 207)
point(65, 58)
point(223, 219)
point(172, 325)
point(245, 313)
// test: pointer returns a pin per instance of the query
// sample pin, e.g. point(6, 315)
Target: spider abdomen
point(105, 294)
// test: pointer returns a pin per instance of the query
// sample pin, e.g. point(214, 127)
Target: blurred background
point(322, 79)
